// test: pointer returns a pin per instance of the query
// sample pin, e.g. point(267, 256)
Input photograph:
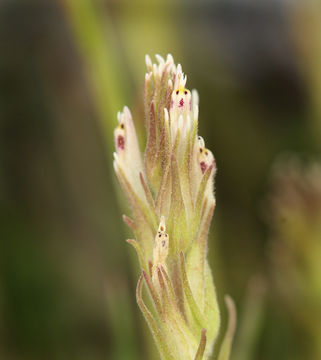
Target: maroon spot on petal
point(181, 103)
point(203, 166)
point(190, 105)
point(121, 142)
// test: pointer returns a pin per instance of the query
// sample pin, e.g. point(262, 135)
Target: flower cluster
point(171, 195)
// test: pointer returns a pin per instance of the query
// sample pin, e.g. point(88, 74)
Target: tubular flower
point(172, 200)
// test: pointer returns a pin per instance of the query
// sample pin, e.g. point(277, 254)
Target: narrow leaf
point(151, 140)
point(137, 204)
point(199, 318)
point(174, 319)
point(177, 216)
point(201, 190)
point(201, 347)
point(139, 252)
point(129, 222)
point(228, 338)
point(211, 309)
point(150, 268)
point(148, 194)
point(163, 192)
point(153, 294)
point(158, 336)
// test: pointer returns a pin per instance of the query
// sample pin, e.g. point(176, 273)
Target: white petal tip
point(160, 59)
point(170, 59)
point(201, 141)
point(148, 61)
point(162, 225)
point(166, 114)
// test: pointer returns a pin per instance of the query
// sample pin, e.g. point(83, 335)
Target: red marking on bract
point(121, 142)
point(181, 103)
point(203, 166)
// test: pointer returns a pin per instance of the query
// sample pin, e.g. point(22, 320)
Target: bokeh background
point(67, 277)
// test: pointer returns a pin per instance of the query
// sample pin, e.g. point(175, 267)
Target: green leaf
point(201, 347)
point(228, 338)
point(196, 312)
point(158, 335)
point(139, 207)
point(139, 252)
point(211, 309)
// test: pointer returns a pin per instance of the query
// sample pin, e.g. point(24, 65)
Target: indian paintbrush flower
point(171, 193)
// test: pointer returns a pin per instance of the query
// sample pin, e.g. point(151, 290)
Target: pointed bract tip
point(232, 315)
point(148, 61)
point(155, 69)
point(147, 76)
point(170, 59)
point(195, 97)
point(201, 142)
point(162, 225)
point(126, 111)
point(229, 303)
point(115, 165)
point(166, 116)
point(160, 59)
point(183, 82)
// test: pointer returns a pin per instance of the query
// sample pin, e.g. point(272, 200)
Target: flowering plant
point(172, 199)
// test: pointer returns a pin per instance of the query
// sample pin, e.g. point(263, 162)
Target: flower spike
point(173, 181)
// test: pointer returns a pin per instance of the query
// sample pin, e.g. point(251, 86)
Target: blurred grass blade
point(94, 37)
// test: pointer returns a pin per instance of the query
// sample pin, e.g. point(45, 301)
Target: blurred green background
point(67, 277)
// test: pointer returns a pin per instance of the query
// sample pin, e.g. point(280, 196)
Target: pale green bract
point(171, 193)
